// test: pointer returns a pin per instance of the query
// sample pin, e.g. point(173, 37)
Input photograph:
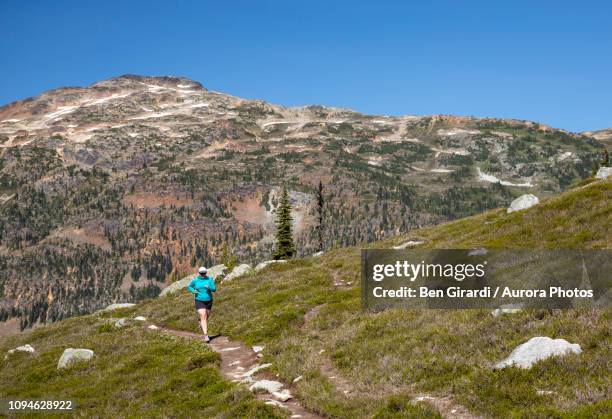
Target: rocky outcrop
point(117, 306)
point(603, 173)
point(537, 349)
point(262, 265)
point(177, 286)
point(238, 271)
point(72, 355)
point(409, 243)
point(523, 202)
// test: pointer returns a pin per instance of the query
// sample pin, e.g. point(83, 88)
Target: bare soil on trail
point(445, 405)
point(236, 360)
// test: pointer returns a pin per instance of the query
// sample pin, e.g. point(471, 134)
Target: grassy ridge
point(399, 353)
point(314, 329)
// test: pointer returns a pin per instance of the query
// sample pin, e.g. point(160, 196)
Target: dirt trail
point(445, 405)
point(236, 360)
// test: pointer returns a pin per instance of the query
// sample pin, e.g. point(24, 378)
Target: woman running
point(202, 287)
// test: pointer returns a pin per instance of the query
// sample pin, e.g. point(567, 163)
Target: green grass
point(134, 373)
point(397, 353)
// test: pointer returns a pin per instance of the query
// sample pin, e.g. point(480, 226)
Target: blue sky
point(548, 61)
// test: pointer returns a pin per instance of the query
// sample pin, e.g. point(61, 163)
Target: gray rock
point(409, 243)
point(317, 254)
point(120, 323)
point(177, 285)
point(268, 385)
point(275, 403)
point(283, 395)
point(216, 272)
point(117, 306)
point(537, 349)
point(238, 271)
point(523, 202)
point(71, 355)
point(256, 369)
point(507, 309)
point(262, 265)
point(603, 172)
point(24, 348)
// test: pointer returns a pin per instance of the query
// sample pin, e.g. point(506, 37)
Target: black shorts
point(203, 304)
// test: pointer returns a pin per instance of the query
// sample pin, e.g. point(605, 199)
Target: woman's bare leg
point(203, 313)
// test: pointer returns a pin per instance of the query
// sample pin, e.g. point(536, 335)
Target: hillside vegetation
point(110, 192)
point(308, 316)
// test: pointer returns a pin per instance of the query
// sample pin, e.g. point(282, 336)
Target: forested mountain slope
point(109, 192)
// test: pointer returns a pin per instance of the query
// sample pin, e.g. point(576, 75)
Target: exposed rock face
point(238, 271)
point(523, 202)
point(537, 349)
point(117, 306)
point(262, 265)
point(603, 172)
point(71, 355)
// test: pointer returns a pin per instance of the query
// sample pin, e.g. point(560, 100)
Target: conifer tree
point(320, 216)
point(285, 248)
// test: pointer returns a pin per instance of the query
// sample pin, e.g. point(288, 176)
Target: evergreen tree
point(285, 248)
point(320, 215)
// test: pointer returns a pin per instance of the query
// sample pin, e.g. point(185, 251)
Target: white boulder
point(317, 254)
point(409, 243)
point(268, 385)
point(117, 306)
point(507, 309)
point(120, 323)
point(71, 355)
point(257, 349)
point(603, 172)
point(238, 271)
point(217, 271)
point(140, 319)
point(24, 348)
point(262, 265)
point(537, 349)
point(282, 395)
point(177, 285)
point(523, 202)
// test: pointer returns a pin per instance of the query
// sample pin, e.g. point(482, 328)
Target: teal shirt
point(202, 287)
